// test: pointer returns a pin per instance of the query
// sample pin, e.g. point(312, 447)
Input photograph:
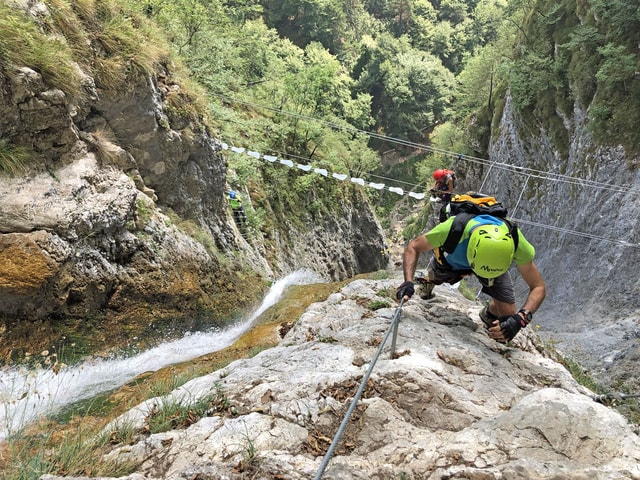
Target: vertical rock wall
point(593, 300)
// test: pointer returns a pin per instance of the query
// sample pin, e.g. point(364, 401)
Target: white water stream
point(28, 394)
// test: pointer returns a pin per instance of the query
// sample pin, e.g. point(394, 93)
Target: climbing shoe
point(425, 288)
point(487, 317)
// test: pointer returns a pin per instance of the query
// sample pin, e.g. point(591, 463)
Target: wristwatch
point(527, 316)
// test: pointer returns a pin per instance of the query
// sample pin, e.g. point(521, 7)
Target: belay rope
point(392, 327)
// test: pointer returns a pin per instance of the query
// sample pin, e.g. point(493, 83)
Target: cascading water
point(28, 394)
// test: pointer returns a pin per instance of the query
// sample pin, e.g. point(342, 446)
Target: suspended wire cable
point(622, 243)
point(541, 174)
point(356, 398)
point(367, 174)
point(421, 196)
point(614, 396)
point(528, 172)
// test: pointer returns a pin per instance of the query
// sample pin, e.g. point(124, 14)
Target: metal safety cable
point(614, 396)
point(354, 402)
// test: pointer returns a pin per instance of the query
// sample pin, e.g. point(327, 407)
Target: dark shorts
point(501, 288)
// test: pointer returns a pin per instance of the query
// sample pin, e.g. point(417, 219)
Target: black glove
point(405, 289)
point(511, 325)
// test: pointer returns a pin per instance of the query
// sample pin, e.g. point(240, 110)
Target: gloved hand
point(405, 289)
point(511, 325)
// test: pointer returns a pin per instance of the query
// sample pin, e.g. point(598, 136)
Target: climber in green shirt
point(486, 248)
point(239, 214)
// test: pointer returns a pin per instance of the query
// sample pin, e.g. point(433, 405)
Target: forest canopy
point(349, 85)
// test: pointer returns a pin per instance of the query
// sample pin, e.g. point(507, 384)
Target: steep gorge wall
point(123, 211)
point(593, 302)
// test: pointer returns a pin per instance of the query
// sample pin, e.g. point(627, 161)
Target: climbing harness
point(393, 327)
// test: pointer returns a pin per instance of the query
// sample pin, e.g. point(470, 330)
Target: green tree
point(453, 11)
point(582, 48)
point(185, 21)
point(477, 82)
point(307, 21)
point(411, 90)
point(423, 21)
point(621, 17)
point(617, 70)
point(418, 93)
point(243, 10)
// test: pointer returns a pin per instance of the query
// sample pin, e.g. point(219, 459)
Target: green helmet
point(490, 250)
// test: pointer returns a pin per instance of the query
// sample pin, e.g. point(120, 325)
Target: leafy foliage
point(309, 79)
point(596, 63)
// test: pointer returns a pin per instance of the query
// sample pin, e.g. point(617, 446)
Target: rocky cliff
point(122, 212)
point(592, 307)
point(449, 403)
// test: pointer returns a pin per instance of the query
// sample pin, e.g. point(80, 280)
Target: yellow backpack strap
point(468, 197)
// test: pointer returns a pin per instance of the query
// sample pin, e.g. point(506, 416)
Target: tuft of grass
point(378, 304)
point(22, 43)
point(628, 408)
point(579, 373)
point(123, 434)
point(13, 159)
point(111, 73)
point(251, 461)
point(106, 150)
point(121, 37)
point(174, 413)
point(65, 22)
point(171, 383)
point(77, 452)
point(70, 36)
point(143, 212)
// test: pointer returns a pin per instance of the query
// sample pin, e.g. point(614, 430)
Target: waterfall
point(26, 394)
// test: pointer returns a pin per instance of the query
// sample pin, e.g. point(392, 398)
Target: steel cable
point(365, 379)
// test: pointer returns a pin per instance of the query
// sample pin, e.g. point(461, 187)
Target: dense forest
point(377, 89)
point(346, 85)
point(340, 83)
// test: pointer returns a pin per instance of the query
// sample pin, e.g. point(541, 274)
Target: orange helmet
point(439, 174)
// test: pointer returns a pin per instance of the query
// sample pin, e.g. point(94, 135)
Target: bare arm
point(411, 254)
point(537, 290)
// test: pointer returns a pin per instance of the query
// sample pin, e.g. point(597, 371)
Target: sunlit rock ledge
point(450, 404)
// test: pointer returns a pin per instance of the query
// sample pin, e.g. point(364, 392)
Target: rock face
point(78, 238)
point(451, 403)
point(336, 247)
point(124, 208)
point(592, 307)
